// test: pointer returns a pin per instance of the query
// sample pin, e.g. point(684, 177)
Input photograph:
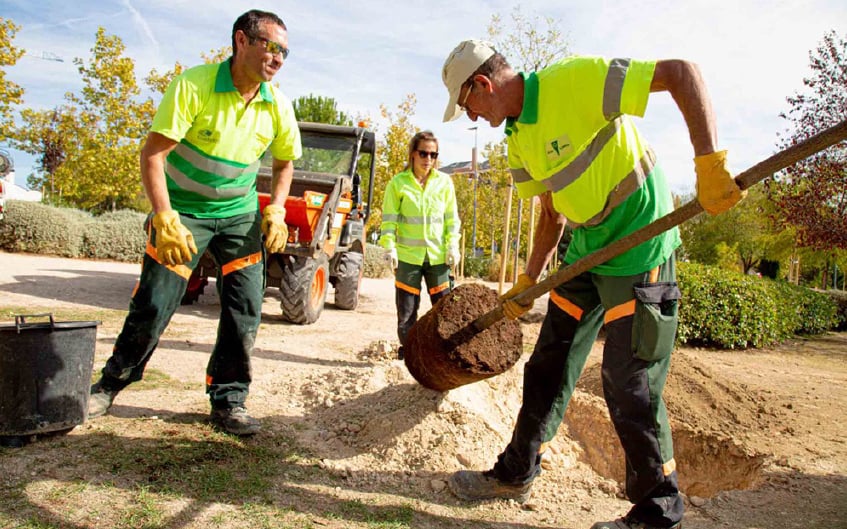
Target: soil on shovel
point(438, 363)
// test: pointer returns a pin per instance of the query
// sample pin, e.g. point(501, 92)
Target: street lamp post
point(475, 179)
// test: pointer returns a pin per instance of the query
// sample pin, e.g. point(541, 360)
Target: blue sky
point(753, 54)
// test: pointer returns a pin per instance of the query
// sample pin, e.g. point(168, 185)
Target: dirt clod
point(438, 363)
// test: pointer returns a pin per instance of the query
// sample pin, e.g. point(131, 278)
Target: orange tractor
point(326, 213)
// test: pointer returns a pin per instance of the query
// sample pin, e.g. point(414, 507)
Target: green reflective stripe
point(520, 176)
point(206, 164)
point(583, 161)
point(390, 217)
point(186, 183)
point(421, 220)
point(634, 180)
point(416, 243)
point(613, 91)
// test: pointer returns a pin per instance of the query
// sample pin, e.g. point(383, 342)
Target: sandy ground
point(759, 434)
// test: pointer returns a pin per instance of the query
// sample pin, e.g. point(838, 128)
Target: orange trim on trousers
point(241, 263)
point(566, 305)
point(439, 288)
point(407, 288)
point(180, 270)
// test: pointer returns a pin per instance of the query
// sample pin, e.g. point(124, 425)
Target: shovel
point(421, 364)
point(745, 180)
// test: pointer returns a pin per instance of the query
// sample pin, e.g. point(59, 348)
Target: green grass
point(378, 517)
point(143, 512)
point(105, 316)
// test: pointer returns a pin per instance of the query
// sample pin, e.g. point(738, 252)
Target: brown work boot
point(100, 399)
point(473, 485)
point(235, 421)
point(630, 523)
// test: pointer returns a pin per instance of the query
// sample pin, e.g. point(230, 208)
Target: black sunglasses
point(274, 48)
point(425, 154)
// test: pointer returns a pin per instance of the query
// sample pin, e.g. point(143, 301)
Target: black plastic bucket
point(45, 374)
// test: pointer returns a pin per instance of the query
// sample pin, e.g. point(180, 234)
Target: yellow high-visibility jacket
point(422, 223)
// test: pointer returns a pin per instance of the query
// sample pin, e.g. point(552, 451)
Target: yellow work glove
point(274, 228)
point(512, 309)
point(174, 242)
point(716, 189)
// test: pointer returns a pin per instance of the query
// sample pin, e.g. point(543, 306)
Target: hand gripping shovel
point(445, 362)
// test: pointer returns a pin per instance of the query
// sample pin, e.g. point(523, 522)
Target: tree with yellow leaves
point(10, 93)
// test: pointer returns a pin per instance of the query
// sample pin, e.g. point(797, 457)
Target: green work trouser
point(640, 316)
point(236, 246)
point(407, 282)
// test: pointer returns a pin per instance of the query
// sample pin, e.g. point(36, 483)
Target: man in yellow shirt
point(198, 168)
point(571, 141)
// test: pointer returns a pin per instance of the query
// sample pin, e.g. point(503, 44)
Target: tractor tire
point(302, 289)
point(350, 270)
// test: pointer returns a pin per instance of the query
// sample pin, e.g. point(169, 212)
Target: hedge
point(730, 310)
point(37, 228)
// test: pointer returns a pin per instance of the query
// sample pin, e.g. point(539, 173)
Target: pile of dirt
point(385, 421)
point(710, 418)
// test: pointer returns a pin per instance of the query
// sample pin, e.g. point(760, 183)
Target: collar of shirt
point(529, 112)
point(223, 82)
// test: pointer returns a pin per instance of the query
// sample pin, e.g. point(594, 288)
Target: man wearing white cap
point(571, 141)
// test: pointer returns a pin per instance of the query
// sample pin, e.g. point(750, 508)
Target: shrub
point(840, 299)
point(375, 264)
point(731, 310)
point(37, 228)
point(118, 236)
point(477, 266)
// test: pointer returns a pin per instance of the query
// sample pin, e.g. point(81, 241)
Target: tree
point(158, 82)
point(747, 230)
point(318, 109)
point(10, 93)
point(811, 195)
point(522, 41)
point(44, 134)
point(89, 147)
point(392, 153)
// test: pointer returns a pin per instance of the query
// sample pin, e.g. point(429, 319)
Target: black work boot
point(235, 421)
point(630, 523)
point(473, 485)
point(100, 399)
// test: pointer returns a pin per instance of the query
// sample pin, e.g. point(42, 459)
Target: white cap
point(460, 64)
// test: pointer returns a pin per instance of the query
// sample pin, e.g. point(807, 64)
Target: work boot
point(630, 523)
point(472, 485)
point(100, 399)
point(235, 421)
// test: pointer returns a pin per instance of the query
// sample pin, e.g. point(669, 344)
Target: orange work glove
point(512, 309)
point(174, 242)
point(716, 189)
point(274, 228)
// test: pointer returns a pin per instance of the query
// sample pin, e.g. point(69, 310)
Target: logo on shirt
point(559, 147)
point(208, 136)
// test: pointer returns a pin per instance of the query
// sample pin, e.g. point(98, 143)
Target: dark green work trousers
point(236, 246)
point(407, 282)
point(640, 316)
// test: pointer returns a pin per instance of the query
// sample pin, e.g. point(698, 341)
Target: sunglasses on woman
point(428, 154)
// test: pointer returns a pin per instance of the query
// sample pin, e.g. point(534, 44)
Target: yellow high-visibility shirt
point(422, 223)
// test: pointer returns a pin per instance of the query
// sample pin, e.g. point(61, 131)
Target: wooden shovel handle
point(745, 180)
